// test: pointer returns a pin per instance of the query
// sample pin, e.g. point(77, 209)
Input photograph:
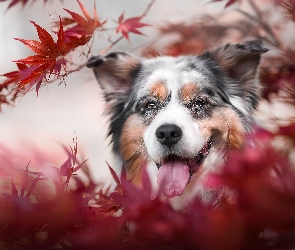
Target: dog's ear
point(115, 73)
point(239, 61)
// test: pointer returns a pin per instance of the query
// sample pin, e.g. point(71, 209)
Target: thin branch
point(81, 66)
point(148, 8)
point(219, 201)
point(111, 45)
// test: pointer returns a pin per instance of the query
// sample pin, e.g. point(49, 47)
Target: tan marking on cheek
point(132, 147)
point(225, 125)
point(134, 173)
point(159, 90)
point(188, 92)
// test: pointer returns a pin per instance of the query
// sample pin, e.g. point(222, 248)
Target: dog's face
point(167, 113)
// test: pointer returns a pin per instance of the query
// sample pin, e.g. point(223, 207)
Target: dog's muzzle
point(175, 171)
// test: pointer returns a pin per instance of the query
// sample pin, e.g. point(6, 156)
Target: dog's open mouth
point(175, 172)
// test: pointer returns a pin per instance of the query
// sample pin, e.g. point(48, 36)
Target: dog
point(176, 116)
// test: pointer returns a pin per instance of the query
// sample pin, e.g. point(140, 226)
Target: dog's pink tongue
point(173, 177)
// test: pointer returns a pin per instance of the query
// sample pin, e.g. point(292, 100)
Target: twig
point(81, 66)
point(111, 45)
point(148, 8)
point(219, 201)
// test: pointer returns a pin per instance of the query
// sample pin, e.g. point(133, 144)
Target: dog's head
point(168, 112)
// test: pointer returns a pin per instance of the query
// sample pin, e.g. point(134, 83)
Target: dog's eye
point(151, 106)
point(197, 104)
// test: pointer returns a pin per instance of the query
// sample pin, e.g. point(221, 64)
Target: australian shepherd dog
point(175, 116)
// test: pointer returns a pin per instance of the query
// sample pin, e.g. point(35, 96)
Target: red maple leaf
point(49, 58)
point(48, 52)
point(129, 25)
point(84, 26)
point(13, 76)
point(25, 77)
point(7, 92)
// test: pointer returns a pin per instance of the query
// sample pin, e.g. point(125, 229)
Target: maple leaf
point(84, 26)
point(129, 25)
point(8, 93)
point(47, 51)
point(25, 78)
point(48, 59)
point(13, 76)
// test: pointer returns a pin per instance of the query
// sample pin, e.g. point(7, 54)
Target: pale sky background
point(60, 113)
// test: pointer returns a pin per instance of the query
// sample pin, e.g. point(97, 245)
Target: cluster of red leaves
point(261, 216)
point(84, 28)
point(50, 55)
point(49, 60)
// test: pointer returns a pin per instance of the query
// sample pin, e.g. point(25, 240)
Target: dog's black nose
point(168, 134)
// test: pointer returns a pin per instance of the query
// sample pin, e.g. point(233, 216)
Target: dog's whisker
point(228, 142)
point(141, 149)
